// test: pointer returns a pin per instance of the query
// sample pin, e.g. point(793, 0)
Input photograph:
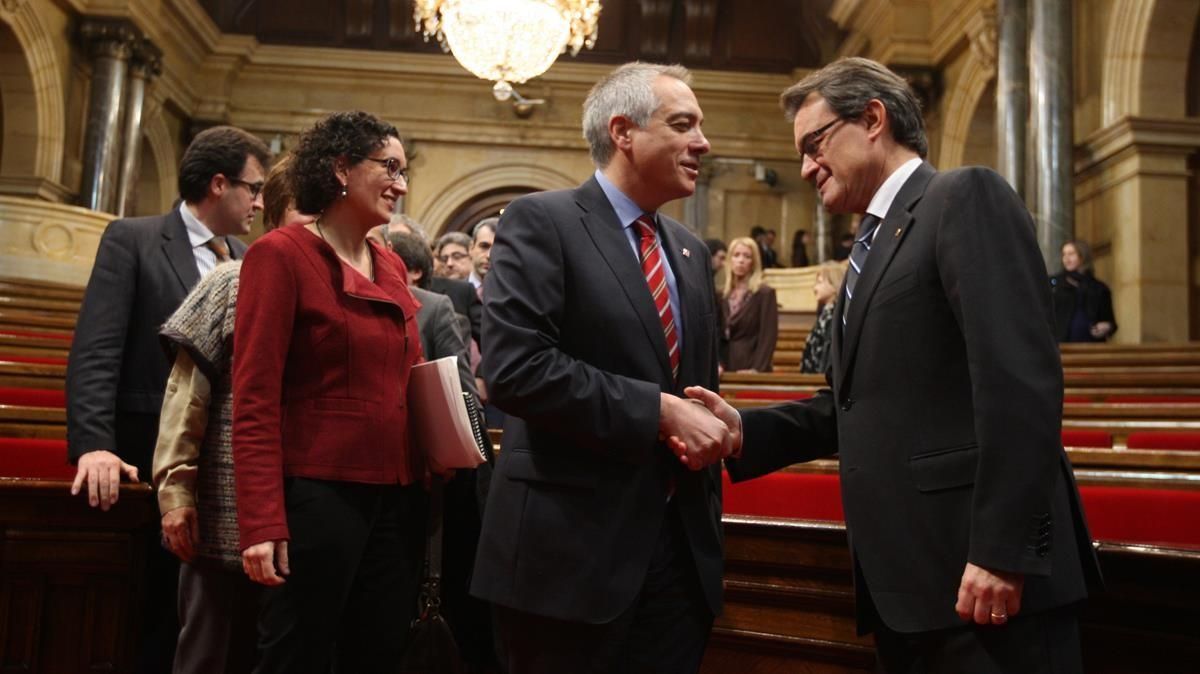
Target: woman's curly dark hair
point(354, 135)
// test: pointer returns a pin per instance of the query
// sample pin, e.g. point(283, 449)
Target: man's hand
point(989, 597)
point(1101, 330)
point(262, 561)
point(181, 532)
point(102, 470)
point(481, 386)
point(697, 437)
point(721, 410)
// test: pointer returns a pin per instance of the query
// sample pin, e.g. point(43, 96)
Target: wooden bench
point(790, 601)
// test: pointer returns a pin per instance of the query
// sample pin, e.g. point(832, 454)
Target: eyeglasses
point(393, 168)
point(255, 188)
point(456, 256)
point(811, 143)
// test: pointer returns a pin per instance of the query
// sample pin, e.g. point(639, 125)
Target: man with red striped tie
point(601, 550)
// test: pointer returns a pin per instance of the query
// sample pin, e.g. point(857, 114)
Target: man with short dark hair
point(968, 538)
point(600, 549)
point(117, 370)
point(482, 238)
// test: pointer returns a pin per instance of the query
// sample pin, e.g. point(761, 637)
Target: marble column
point(1051, 71)
point(1012, 91)
point(821, 225)
point(145, 64)
point(109, 44)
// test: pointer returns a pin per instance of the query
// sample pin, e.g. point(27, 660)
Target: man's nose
point(808, 169)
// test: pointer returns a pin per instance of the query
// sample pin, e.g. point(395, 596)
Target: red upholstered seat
point(41, 360)
point(1187, 440)
point(1077, 399)
point(768, 394)
point(1118, 514)
point(1086, 437)
point(1136, 515)
point(35, 458)
point(33, 397)
point(795, 495)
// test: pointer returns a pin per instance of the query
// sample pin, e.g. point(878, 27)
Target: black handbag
point(431, 648)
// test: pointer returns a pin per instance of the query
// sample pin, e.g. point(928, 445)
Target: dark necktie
point(656, 278)
point(218, 247)
point(858, 258)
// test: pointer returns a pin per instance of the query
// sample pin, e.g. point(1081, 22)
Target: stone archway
point(1145, 59)
point(976, 75)
point(465, 190)
point(34, 128)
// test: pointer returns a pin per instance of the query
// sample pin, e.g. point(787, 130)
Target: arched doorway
point(486, 205)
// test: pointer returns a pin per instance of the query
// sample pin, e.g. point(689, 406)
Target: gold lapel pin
point(898, 230)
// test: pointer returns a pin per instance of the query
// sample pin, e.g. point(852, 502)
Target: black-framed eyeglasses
point(393, 168)
point(255, 188)
point(811, 143)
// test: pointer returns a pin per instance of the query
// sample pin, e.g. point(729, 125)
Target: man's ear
point(217, 185)
point(620, 130)
point(876, 117)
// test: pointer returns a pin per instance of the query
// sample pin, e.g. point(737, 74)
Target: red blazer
point(320, 369)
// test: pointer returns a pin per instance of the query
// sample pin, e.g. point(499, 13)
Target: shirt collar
point(881, 203)
point(626, 210)
point(198, 233)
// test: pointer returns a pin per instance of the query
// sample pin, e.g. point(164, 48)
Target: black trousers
point(1042, 643)
point(665, 631)
point(135, 437)
point(355, 556)
point(218, 609)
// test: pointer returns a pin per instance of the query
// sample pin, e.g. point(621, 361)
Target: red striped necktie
point(656, 278)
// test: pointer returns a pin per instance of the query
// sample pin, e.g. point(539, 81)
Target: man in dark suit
point(117, 370)
point(600, 550)
point(969, 542)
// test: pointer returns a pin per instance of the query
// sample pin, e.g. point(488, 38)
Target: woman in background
point(329, 502)
point(820, 340)
point(1083, 309)
point(750, 309)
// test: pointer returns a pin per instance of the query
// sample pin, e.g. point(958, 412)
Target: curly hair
point(352, 135)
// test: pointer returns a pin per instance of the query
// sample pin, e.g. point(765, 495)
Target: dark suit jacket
point(946, 410)
point(462, 295)
point(575, 356)
point(118, 370)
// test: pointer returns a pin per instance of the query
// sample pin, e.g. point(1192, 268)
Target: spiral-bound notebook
point(445, 422)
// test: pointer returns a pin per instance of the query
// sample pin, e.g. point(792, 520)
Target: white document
point(442, 428)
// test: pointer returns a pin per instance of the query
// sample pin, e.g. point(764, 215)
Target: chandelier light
point(508, 41)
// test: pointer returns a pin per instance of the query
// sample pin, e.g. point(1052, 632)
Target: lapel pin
point(897, 235)
point(686, 252)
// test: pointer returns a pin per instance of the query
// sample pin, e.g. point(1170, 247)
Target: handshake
point(701, 429)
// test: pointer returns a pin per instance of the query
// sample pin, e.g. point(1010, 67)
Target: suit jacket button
point(847, 404)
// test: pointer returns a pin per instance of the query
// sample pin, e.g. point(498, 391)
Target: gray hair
point(486, 223)
point(413, 226)
point(627, 91)
point(452, 237)
point(848, 84)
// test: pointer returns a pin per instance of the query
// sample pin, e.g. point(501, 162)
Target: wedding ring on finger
point(999, 617)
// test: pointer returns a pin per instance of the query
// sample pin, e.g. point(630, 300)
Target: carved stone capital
point(109, 37)
point(146, 61)
point(982, 32)
point(926, 83)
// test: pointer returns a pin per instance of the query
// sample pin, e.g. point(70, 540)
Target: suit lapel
point(178, 249)
point(606, 232)
point(891, 234)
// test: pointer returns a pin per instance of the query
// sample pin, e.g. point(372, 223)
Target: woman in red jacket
point(330, 518)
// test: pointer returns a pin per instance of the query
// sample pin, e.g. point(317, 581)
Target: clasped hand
point(694, 433)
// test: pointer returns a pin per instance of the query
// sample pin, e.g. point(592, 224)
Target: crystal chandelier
point(508, 41)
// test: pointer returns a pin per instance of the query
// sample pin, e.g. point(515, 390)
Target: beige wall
point(1135, 139)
